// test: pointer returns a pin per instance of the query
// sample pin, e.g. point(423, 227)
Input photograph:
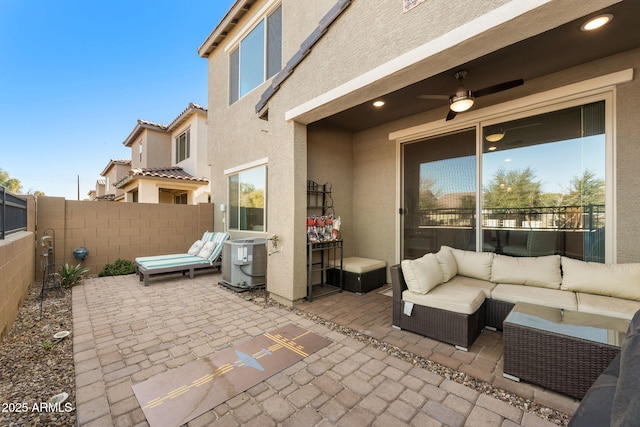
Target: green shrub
point(70, 275)
point(118, 268)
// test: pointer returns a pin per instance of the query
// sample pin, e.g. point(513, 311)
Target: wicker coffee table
point(561, 350)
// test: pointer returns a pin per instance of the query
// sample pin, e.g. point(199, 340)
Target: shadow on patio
point(125, 333)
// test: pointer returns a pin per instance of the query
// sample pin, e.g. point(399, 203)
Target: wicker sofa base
point(497, 311)
point(458, 329)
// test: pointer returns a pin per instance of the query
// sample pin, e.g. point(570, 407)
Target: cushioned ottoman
point(360, 274)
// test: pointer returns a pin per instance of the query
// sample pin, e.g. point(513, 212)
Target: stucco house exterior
point(291, 92)
point(97, 192)
point(168, 162)
point(106, 188)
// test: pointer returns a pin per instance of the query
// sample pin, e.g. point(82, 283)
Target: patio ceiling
point(555, 50)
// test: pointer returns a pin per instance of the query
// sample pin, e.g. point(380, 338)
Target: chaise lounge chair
point(204, 253)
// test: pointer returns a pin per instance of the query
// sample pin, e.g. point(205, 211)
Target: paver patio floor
point(125, 333)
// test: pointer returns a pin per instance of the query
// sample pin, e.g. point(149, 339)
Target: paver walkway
point(125, 332)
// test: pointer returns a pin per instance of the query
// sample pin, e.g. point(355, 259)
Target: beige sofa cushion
point(471, 283)
point(533, 295)
point(543, 271)
point(447, 263)
point(613, 280)
point(460, 300)
point(473, 264)
point(422, 274)
point(607, 306)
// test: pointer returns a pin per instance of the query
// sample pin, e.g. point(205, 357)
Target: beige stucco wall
point(237, 136)
point(17, 259)
point(17, 269)
point(120, 230)
point(197, 163)
point(156, 151)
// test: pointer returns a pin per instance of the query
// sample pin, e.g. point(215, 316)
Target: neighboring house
point(168, 162)
point(115, 170)
point(291, 92)
point(99, 191)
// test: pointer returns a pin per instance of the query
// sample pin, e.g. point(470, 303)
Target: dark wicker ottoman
point(562, 350)
point(361, 275)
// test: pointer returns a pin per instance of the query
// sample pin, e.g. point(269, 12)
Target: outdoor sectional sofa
point(453, 294)
point(204, 253)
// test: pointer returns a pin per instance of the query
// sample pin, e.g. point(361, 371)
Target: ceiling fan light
point(495, 137)
point(461, 101)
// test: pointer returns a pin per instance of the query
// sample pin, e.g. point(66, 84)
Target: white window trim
point(237, 170)
point(596, 89)
point(175, 143)
point(250, 165)
point(265, 10)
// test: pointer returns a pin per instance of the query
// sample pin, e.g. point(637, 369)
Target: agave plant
point(70, 275)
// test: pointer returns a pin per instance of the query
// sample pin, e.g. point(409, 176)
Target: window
point(257, 58)
point(247, 199)
point(536, 182)
point(183, 146)
point(181, 199)
point(140, 149)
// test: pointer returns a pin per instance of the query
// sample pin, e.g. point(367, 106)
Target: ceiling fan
point(463, 99)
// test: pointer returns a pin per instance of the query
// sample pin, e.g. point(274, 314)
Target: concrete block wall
point(111, 230)
point(17, 258)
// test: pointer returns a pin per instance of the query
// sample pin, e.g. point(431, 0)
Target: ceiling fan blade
point(451, 115)
point(436, 97)
point(497, 88)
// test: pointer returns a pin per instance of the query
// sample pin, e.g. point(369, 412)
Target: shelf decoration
point(323, 228)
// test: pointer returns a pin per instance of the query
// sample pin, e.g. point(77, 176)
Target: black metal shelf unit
point(328, 253)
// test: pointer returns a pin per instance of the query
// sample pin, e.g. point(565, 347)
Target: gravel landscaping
point(35, 366)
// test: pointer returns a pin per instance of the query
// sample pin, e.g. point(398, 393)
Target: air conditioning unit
point(244, 263)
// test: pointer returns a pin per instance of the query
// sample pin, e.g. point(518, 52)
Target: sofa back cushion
point(473, 264)
point(422, 274)
point(447, 263)
point(543, 271)
point(613, 280)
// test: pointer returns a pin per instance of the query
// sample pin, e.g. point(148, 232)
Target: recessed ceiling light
point(597, 22)
point(378, 104)
point(492, 148)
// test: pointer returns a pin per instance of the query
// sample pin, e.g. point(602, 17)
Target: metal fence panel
point(13, 213)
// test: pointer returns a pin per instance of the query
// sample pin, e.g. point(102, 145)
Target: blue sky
point(75, 76)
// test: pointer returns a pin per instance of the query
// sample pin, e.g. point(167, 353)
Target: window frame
point(236, 172)
point(235, 51)
point(187, 142)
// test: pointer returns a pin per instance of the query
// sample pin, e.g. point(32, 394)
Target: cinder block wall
point(16, 275)
point(111, 230)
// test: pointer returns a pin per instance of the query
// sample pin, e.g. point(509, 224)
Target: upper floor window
point(140, 149)
point(258, 56)
point(182, 146)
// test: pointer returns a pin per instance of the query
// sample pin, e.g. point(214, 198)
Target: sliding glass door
point(544, 184)
point(439, 193)
point(541, 187)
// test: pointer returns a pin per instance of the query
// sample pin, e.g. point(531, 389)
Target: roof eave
point(220, 32)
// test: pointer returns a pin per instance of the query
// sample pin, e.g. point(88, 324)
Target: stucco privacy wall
point(16, 275)
point(120, 230)
point(16, 269)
